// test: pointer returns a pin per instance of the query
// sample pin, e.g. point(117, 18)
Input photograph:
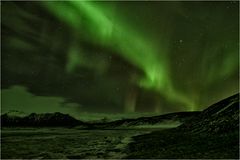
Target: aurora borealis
point(119, 57)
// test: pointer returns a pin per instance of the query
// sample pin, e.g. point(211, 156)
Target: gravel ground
point(42, 143)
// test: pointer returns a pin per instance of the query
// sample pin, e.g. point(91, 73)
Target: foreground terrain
point(212, 133)
point(47, 143)
point(171, 144)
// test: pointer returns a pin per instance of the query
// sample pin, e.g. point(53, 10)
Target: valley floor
point(63, 143)
point(47, 143)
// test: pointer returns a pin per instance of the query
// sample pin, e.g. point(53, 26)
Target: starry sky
point(118, 57)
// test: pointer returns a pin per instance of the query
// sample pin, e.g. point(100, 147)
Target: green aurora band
point(99, 27)
point(119, 56)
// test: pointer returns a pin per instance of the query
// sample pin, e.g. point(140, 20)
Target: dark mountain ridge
point(180, 117)
point(39, 120)
point(222, 116)
point(59, 119)
point(212, 134)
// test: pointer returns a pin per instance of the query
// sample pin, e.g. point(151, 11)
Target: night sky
point(118, 57)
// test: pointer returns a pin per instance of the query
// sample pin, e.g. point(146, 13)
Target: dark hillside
point(212, 134)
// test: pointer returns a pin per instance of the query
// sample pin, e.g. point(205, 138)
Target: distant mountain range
point(220, 117)
point(171, 120)
point(16, 113)
point(38, 120)
point(18, 119)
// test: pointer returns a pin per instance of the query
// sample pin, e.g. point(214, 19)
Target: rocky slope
point(214, 134)
point(219, 117)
